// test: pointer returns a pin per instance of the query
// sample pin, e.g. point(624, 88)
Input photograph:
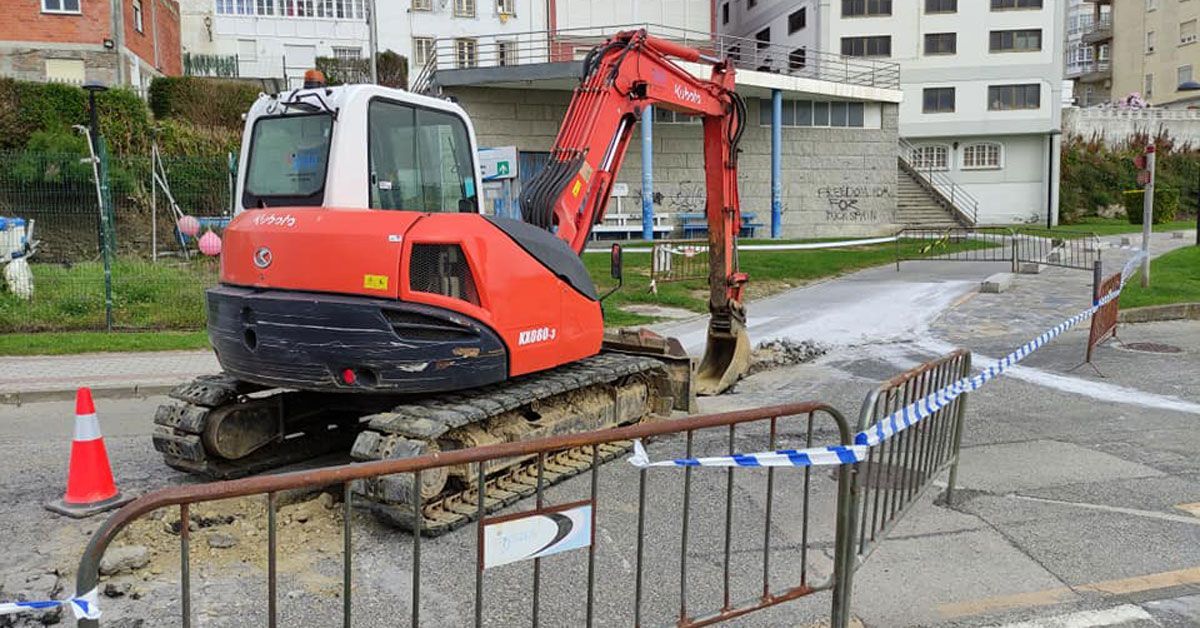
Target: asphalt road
point(1079, 501)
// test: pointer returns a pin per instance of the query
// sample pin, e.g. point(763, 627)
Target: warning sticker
point(576, 188)
point(375, 282)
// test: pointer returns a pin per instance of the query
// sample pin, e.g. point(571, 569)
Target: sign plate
point(537, 534)
point(498, 163)
point(620, 189)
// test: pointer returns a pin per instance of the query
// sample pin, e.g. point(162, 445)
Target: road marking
point(1084, 619)
point(1048, 597)
point(1149, 514)
point(1192, 509)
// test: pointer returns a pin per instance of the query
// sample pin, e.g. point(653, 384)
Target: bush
point(1166, 205)
point(206, 102)
point(1095, 175)
point(391, 66)
point(26, 108)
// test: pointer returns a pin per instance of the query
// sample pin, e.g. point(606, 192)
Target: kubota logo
point(686, 94)
point(262, 257)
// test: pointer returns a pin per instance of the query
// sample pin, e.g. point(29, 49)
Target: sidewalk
point(36, 378)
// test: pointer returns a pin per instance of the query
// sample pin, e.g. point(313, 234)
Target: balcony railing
point(1099, 30)
point(511, 49)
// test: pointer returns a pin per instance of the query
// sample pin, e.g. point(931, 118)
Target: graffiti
point(689, 196)
point(844, 202)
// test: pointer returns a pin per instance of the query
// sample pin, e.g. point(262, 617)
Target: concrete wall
point(1133, 61)
point(836, 182)
point(1115, 126)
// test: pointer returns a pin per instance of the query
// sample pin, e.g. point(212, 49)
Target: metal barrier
point(955, 244)
point(1104, 321)
point(898, 472)
point(1066, 249)
point(790, 425)
point(678, 260)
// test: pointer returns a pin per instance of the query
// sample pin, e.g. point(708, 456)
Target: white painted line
point(1085, 619)
point(793, 246)
point(1148, 514)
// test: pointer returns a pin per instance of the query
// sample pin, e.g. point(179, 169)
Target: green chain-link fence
point(57, 193)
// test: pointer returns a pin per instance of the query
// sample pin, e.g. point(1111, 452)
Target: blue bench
point(695, 225)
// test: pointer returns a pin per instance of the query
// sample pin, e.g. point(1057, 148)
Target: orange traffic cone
point(90, 486)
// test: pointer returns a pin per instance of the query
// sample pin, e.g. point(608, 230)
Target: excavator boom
point(621, 79)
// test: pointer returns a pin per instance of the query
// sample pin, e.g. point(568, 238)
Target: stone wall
point(836, 182)
point(1116, 126)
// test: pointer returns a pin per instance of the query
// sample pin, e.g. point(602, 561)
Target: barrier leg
point(844, 563)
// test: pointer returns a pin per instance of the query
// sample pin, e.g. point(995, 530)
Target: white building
point(273, 38)
point(982, 82)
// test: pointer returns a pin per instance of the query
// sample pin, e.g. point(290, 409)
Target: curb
point(1151, 313)
point(112, 392)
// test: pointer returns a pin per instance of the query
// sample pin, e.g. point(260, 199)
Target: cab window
point(420, 159)
point(287, 161)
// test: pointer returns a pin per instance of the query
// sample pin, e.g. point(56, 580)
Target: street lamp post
point(1194, 86)
point(107, 235)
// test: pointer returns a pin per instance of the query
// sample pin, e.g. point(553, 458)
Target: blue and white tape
point(84, 606)
point(899, 420)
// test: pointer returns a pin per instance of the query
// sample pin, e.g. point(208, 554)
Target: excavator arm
point(620, 79)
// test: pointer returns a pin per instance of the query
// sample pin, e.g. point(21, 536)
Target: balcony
point(1095, 72)
point(1100, 30)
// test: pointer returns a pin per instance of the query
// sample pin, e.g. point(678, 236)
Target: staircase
point(918, 207)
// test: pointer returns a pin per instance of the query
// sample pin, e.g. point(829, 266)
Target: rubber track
point(388, 432)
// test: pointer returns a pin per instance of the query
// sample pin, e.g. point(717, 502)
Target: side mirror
point(617, 264)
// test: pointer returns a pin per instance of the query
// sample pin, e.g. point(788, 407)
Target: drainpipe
point(648, 173)
point(1050, 137)
point(776, 163)
point(118, 36)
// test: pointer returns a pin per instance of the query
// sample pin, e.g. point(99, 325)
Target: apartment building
point(1155, 49)
point(116, 42)
point(1088, 43)
point(982, 83)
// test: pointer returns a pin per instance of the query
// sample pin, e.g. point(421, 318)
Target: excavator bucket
point(726, 357)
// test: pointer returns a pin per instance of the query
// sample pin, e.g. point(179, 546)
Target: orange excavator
point(365, 303)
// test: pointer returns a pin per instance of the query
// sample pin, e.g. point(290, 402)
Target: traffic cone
point(90, 486)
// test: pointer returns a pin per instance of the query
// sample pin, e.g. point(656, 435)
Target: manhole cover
point(1152, 347)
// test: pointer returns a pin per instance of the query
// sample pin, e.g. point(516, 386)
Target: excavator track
point(272, 429)
point(603, 391)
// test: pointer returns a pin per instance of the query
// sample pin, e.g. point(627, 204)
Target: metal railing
point(678, 260)
point(792, 425)
point(563, 45)
point(1067, 249)
point(950, 194)
point(898, 472)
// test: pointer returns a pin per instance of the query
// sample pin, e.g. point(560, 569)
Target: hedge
point(205, 102)
point(26, 108)
point(1166, 204)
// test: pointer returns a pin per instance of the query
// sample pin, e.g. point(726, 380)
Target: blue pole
point(776, 163)
point(648, 173)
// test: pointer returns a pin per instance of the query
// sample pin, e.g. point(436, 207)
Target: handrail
point(560, 45)
point(952, 194)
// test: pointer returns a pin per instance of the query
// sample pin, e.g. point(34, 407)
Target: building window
point(981, 156)
point(465, 52)
point(1187, 32)
point(422, 5)
point(797, 20)
point(863, 8)
point(344, 53)
point(506, 7)
point(808, 113)
point(422, 51)
point(1149, 86)
point(1151, 5)
point(1151, 42)
point(60, 6)
point(324, 9)
point(464, 8)
point(763, 37)
point(938, 100)
point(725, 13)
point(666, 116)
point(1029, 40)
point(941, 6)
point(506, 52)
point(1000, 5)
point(750, 4)
point(798, 59)
point(1183, 74)
point(1009, 97)
point(931, 157)
point(941, 43)
point(877, 46)
point(137, 16)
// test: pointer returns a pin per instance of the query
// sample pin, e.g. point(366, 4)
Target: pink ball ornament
point(188, 226)
point(210, 243)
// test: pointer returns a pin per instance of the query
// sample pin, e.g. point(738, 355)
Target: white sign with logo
point(498, 163)
point(620, 189)
point(537, 535)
